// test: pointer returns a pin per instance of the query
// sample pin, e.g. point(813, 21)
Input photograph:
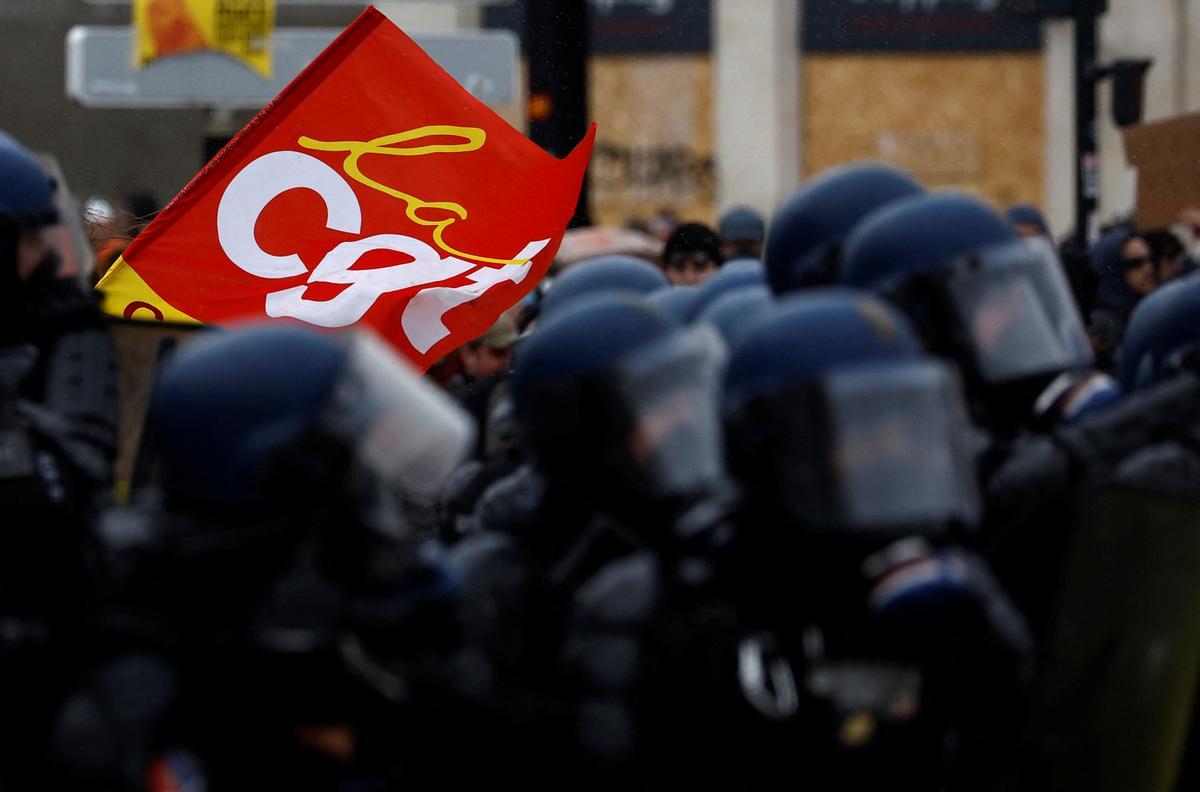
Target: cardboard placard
point(1167, 156)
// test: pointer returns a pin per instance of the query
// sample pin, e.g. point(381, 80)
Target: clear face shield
point(69, 238)
point(899, 446)
point(400, 427)
point(1014, 305)
point(671, 390)
point(877, 448)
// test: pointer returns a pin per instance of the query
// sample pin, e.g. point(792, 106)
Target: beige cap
point(501, 335)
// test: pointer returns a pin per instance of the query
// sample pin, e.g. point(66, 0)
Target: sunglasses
point(1134, 263)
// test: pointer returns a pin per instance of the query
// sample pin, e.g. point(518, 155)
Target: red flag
point(373, 188)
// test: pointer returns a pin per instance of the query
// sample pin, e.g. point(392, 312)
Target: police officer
point(270, 598)
point(804, 244)
point(616, 405)
point(57, 442)
point(996, 304)
point(748, 658)
point(1162, 348)
point(56, 351)
point(503, 489)
point(855, 459)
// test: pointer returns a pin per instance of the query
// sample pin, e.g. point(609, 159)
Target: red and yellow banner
point(374, 189)
point(238, 28)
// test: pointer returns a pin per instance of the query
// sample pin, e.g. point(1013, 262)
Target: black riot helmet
point(615, 398)
point(806, 234)
point(838, 420)
point(995, 303)
point(272, 437)
point(601, 275)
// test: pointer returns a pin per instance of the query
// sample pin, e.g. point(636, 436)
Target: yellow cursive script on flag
point(389, 145)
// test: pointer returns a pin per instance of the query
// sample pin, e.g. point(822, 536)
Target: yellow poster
point(238, 28)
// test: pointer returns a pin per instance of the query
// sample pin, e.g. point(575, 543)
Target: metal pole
point(1087, 177)
point(558, 44)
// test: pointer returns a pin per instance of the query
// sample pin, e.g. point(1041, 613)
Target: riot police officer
point(270, 597)
point(749, 657)
point(503, 484)
point(616, 405)
point(58, 414)
point(803, 247)
point(996, 304)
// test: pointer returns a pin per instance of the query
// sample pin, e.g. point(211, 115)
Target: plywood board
point(969, 121)
point(654, 147)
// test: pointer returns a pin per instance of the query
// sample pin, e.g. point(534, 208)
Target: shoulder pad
point(485, 557)
point(623, 593)
point(511, 502)
point(1170, 468)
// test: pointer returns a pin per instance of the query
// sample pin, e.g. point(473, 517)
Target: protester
point(692, 254)
point(742, 234)
point(1126, 271)
point(1170, 258)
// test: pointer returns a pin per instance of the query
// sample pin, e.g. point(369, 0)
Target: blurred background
point(701, 105)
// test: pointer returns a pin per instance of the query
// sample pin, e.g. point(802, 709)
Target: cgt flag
point(373, 189)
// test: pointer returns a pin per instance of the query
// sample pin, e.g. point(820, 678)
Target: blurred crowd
point(785, 503)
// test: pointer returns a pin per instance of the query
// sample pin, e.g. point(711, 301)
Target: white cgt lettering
point(271, 175)
point(261, 182)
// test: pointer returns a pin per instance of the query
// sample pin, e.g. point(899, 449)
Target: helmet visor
point(401, 427)
point(68, 236)
point(898, 446)
point(671, 390)
point(1016, 309)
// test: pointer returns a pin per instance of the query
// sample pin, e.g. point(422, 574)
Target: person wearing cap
point(485, 361)
point(742, 233)
point(692, 254)
point(491, 353)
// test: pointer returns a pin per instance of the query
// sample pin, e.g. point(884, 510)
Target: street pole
point(1087, 177)
point(558, 43)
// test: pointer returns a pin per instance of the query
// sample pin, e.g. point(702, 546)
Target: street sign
point(100, 69)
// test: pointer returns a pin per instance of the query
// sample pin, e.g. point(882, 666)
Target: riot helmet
point(613, 397)
point(263, 415)
point(734, 275)
point(837, 419)
point(996, 303)
point(806, 234)
point(1163, 335)
point(599, 275)
point(36, 239)
point(675, 301)
point(27, 210)
point(736, 311)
